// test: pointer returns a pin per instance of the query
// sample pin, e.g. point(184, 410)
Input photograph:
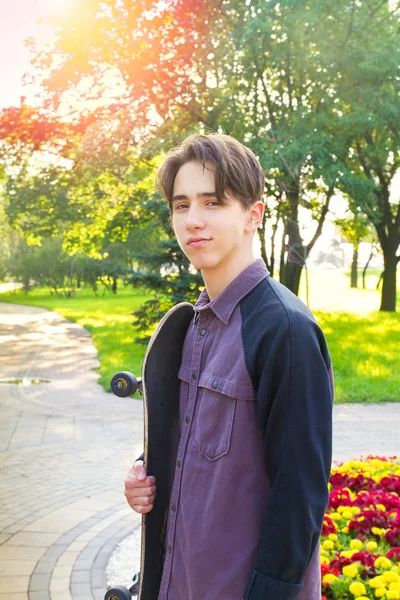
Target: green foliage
point(354, 228)
point(365, 355)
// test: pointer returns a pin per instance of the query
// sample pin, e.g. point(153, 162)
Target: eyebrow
point(200, 195)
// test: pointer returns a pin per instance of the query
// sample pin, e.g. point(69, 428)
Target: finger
point(139, 471)
point(143, 509)
point(132, 482)
point(141, 500)
point(137, 492)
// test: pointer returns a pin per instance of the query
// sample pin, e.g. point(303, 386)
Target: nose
point(194, 218)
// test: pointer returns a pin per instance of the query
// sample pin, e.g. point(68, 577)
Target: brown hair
point(235, 167)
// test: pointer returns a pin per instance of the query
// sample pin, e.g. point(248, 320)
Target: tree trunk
point(388, 297)
point(366, 267)
point(282, 262)
point(296, 250)
point(292, 276)
point(354, 267)
point(261, 235)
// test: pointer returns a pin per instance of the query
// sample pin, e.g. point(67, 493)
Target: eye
point(213, 203)
point(180, 205)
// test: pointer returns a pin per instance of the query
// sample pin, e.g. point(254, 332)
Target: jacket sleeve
point(294, 394)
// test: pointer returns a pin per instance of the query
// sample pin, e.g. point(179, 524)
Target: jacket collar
point(225, 303)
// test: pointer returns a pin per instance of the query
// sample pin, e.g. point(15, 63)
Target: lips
point(197, 242)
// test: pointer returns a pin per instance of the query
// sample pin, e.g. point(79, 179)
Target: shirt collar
point(225, 303)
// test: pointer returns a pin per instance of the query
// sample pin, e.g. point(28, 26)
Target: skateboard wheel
point(119, 592)
point(124, 384)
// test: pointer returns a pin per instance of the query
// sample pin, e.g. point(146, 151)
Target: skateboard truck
point(119, 592)
point(125, 384)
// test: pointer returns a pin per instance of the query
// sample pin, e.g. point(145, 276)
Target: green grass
point(364, 343)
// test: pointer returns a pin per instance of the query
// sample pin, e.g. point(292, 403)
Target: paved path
point(65, 447)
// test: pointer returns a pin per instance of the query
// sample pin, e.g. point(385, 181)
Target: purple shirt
point(221, 487)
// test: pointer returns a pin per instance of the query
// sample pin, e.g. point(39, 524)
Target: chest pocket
point(214, 414)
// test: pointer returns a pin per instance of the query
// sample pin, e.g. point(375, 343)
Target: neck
point(217, 279)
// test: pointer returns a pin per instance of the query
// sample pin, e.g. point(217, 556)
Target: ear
point(255, 215)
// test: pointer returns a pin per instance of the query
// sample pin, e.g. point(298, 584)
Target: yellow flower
point(324, 560)
point(376, 583)
point(347, 514)
point(333, 537)
point(345, 529)
point(336, 516)
point(383, 562)
point(328, 578)
point(328, 545)
point(376, 530)
point(361, 598)
point(357, 588)
point(348, 553)
point(371, 545)
point(381, 506)
point(390, 576)
point(393, 594)
point(356, 544)
point(350, 571)
point(380, 593)
point(395, 585)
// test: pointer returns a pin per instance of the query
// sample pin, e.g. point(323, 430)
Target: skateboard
point(159, 386)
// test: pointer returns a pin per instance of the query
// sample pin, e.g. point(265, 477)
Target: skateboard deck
point(160, 390)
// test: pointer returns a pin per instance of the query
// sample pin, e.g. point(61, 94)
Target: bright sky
point(18, 21)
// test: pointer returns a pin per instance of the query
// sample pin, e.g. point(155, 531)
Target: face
point(211, 234)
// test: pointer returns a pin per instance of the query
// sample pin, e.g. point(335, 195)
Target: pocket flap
point(228, 388)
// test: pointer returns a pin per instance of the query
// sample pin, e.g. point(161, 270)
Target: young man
point(250, 489)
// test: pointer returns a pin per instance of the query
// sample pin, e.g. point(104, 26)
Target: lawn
point(364, 343)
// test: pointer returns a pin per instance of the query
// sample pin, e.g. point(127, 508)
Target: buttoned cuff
point(262, 587)
point(141, 457)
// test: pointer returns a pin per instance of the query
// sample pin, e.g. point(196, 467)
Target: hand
point(140, 490)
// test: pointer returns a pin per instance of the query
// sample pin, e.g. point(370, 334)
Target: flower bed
point(360, 542)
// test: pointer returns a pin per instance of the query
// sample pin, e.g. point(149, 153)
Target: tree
point(250, 70)
point(353, 228)
point(294, 80)
point(368, 118)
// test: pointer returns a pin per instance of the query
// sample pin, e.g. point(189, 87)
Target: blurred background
point(95, 92)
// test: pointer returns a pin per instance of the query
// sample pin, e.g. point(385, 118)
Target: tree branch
point(321, 220)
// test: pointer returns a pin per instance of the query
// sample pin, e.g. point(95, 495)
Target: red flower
point(328, 526)
point(394, 553)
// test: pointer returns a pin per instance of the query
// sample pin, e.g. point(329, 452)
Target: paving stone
point(81, 589)
point(98, 578)
point(39, 596)
point(44, 567)
point(39, 582)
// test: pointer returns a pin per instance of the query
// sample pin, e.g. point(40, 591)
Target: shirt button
point(203, 331)
point(194, 376)
point(178, 464)
point(169, 549)
point(215, 385)
point(187, 420)
point(174, 507)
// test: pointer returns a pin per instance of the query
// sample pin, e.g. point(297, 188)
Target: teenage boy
point(251, 483)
